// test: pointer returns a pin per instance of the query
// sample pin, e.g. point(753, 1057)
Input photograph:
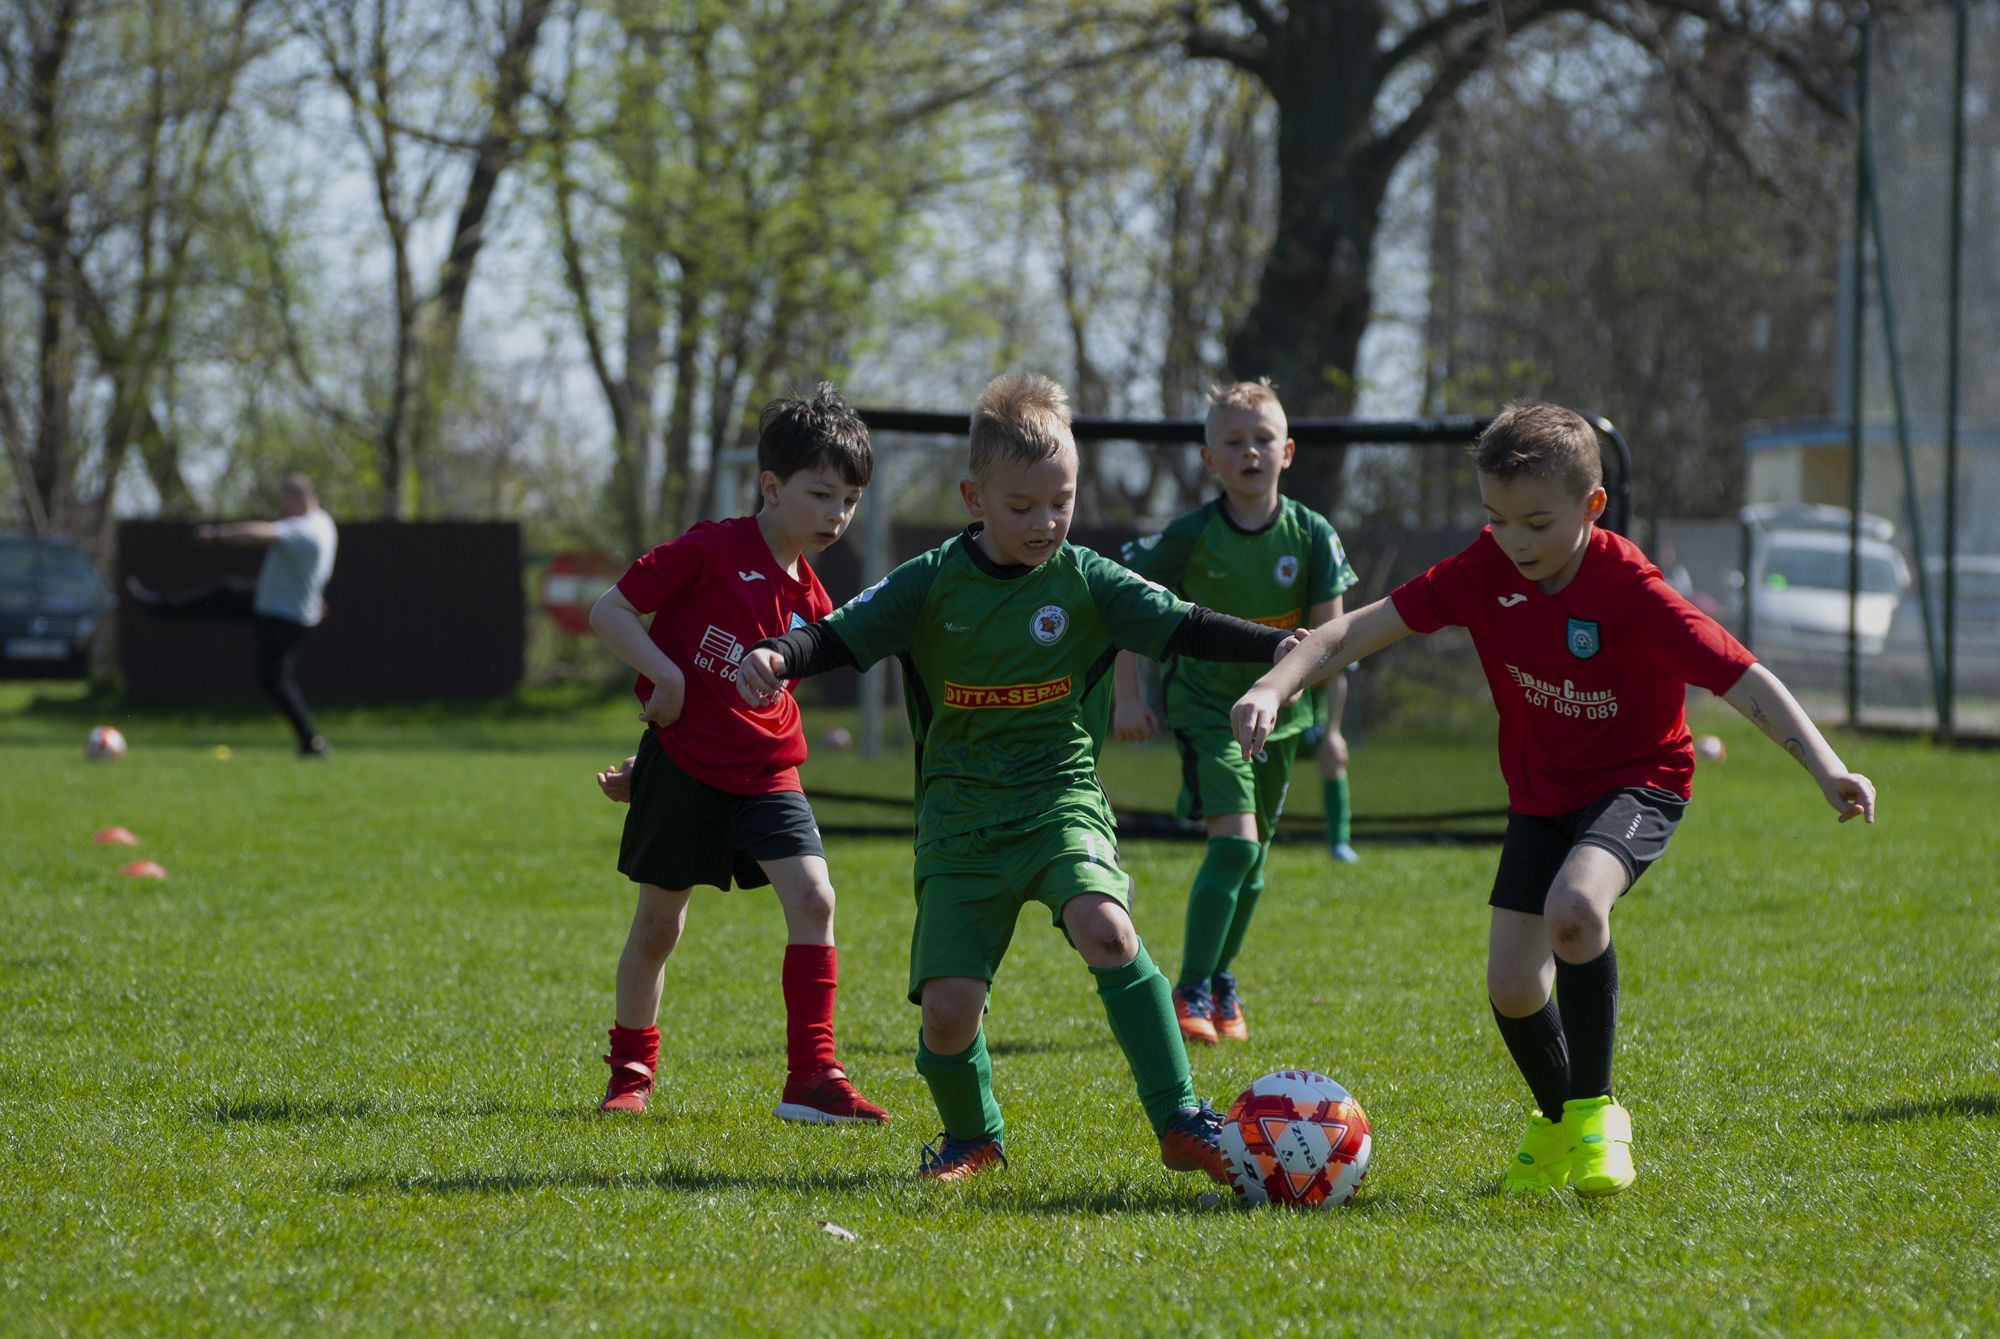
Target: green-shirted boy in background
point(1262, 556)
point(1004, 633)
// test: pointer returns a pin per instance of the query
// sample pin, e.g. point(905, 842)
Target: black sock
point(1536, 1043)
point(1588, 995)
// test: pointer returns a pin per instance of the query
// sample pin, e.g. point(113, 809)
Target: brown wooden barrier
point(418, 610)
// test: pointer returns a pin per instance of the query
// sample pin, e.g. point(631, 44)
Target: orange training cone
point(144, 869)
point(114, 837)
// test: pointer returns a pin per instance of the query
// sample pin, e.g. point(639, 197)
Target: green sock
point(962, 1087)
point(1246, 907)
point(1212, 904)
point(1141, 1010)
point(1333, 795)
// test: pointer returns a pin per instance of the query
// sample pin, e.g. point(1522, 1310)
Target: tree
point(426, 96)
point(115, 206)
point(724, 223)
point(1357, 85)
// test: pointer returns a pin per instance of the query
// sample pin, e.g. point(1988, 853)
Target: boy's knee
point(1102, 932)
point(1574, 921)
point(1516, 998)
point(952, 1014)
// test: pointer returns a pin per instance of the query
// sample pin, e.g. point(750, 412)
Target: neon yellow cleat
point(1601, 1162)
point(1543, 1160)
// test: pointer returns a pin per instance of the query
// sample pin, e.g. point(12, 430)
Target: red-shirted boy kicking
point(714, 786)
point(1588, 652)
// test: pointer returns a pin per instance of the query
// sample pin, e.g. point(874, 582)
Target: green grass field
point(337, 1072)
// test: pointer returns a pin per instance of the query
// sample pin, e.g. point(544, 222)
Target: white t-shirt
point(296, 568)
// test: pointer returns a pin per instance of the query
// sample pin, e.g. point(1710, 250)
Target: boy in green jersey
point(1263, 556)
point(1004, 634)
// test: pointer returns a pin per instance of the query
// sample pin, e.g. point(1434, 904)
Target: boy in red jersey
point(714, 787)
point(1588, 652)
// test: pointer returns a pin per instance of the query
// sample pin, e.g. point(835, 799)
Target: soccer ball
point(105, 743)
point(1709, 748)
point(1297, 1138)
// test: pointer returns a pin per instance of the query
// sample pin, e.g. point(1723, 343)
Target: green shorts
point(971, 887)
point(1217, 779)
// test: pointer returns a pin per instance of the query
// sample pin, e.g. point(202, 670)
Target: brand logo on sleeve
point(1287, 570)
point(1049, 624)
point(1582, 638)
point(865, 596)
point(979, 697)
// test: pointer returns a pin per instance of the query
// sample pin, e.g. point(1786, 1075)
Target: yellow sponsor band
point(976, 697)
point(1287, 621)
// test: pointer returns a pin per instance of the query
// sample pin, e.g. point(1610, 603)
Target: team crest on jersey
point(1287, 570)
point(796, 622)
point(1582, 638)
point(1048, 625)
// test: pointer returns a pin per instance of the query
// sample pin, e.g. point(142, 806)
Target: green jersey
point(1000, 671)
point(1272, 576)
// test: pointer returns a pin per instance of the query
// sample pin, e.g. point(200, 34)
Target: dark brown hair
point(1541, 441)
point(820, 431)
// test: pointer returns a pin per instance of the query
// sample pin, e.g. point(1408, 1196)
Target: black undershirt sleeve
point(813, 649)
point(1207, 635)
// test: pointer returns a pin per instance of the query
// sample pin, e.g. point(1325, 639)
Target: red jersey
point(714, 593)
point(1590, 682)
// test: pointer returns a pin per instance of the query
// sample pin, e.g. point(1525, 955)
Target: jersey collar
point(977, 553)
point(1230, 521)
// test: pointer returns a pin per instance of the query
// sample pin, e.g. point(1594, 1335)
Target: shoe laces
point(1224, 1002)
point(1195, 999)
point(1201, 1122)
point(945, 1151)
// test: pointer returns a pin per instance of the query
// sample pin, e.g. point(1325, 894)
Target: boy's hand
point(760, 677)
point(1290, 644)
point(1134, 721)
point(1851, 794)
point(663, 708)
point(1252, 717)
point(616, 781)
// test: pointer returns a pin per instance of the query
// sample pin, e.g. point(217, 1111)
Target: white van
point(1799, 574)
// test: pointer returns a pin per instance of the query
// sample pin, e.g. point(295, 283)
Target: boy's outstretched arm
point(1327, 649)
point(618, 622)
point(799, 654)
point(1769, 705)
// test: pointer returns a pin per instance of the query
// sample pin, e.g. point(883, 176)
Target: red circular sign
point(572, 582)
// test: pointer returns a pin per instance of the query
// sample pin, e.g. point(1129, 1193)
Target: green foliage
point(336, 1074)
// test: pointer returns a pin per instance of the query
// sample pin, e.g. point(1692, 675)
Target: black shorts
point(1632, 823)
point(681, 831)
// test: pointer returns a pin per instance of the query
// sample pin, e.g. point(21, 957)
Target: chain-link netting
point(1909, 280)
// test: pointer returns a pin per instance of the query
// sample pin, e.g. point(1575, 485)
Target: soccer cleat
point(1192, 1142)
point(1542, 1163)
point(1226, 1008)
point(631, 1084)
point(950, 1159)
point(1600, 1160)
point(1343, 854)
point(1195, 1013)
point(827, 1099)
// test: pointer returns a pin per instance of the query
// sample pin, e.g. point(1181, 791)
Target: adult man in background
point(286, 601)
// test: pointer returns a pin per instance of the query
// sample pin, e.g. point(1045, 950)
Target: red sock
point(641, 1044)
point(809, 980)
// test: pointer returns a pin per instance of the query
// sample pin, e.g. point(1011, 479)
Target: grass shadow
point(255, 1110)
point(684, 1179)
point(1964, 1106)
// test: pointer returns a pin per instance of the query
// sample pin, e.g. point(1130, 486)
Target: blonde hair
point(1020, 418)
point(1541, 441)
point(1244, 395)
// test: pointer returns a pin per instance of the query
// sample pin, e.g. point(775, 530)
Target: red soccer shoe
point(827, 1099)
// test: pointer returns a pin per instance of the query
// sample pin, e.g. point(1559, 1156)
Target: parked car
point(1976, 627)
point(51, 606)
point(1799, 576)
